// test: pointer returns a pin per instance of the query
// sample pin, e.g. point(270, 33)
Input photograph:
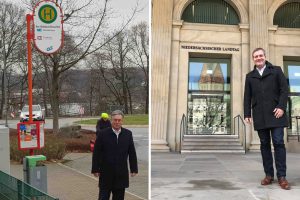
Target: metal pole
point(234, 126)
point(4, 85)
point(298, 128)
point(238, 128)
point(5, 93)
point(29, 18)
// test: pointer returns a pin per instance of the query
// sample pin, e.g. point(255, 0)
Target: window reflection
point(209, 97)
point(209, 76)
point(294, 78)
point(292, 72)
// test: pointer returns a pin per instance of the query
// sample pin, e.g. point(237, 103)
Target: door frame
point(227, 80)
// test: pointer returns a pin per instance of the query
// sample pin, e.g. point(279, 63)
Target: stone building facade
point(190, 35)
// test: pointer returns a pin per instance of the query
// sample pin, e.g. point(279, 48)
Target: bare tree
point(21, 65)
point(116, 56)
point(12, 32)
point(140, 54)
point(95, 92)
point(104, 72)
point(85, 23)
point(43, 80)
point(101, 90)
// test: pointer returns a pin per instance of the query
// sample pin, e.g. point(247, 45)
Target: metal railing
point(297, 128)
point(12, 189)
point(239, 119)
point(183, 129)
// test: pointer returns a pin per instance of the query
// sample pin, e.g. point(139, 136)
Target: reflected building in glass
point(207, 106)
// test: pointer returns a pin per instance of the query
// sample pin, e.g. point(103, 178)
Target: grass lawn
point(128, 120)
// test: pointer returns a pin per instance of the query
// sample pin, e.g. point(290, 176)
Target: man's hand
point(248, 120)
point(278, 112)
point(133, 174)
point(96, 174)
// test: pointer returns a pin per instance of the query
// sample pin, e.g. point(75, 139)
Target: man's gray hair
point(117, 112)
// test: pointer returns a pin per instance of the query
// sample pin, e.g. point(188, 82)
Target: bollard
point(4, 149)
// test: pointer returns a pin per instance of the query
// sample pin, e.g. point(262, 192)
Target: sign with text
point(208, 48)
point(31, 135)
point(48, 27)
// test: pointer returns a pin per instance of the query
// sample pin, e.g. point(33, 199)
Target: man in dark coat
point(112, 148)
point(266, 92)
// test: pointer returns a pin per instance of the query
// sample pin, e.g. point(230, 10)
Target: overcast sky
point(121, 8)
point(124, 6)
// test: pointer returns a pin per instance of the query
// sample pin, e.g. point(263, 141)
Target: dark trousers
point(279, 151)
point(117, 194)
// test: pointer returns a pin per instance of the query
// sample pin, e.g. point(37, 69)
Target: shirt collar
point(261, 71)
point(116, 132)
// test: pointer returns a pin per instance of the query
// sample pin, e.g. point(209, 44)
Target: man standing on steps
point(112, 149)
point(266, 92)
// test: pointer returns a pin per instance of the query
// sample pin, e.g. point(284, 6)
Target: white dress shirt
point(261, 71)
point(117, 132)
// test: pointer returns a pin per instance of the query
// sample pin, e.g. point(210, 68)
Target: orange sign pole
point(29, 18)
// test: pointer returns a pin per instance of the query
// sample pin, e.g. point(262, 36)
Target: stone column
point(244, 28)
point(272, 44)
point(160, 72)
point(258, 38)
point(258, 25)
point(173, 119)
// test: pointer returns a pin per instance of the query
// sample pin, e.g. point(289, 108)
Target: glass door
point(209, 96)
point(292, 72)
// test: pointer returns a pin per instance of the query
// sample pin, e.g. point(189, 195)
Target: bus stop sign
point(48, 27)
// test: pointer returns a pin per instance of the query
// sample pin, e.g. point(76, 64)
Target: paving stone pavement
point(138, 185)
point(218, 177)
point(73, 180)
point(64, 183)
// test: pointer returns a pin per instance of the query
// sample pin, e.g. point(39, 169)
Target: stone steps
point(211, 144)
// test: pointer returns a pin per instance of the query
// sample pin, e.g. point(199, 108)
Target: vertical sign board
point(48, 27)
point(30, 135)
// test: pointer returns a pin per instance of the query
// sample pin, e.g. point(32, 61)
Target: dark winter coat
point(102, 124)
point(265, 93)
point(110, 158)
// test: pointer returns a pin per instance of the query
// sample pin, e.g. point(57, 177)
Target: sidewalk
point(138, 185)
point(218, 176)
point(73, 180)
point(63, 183)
